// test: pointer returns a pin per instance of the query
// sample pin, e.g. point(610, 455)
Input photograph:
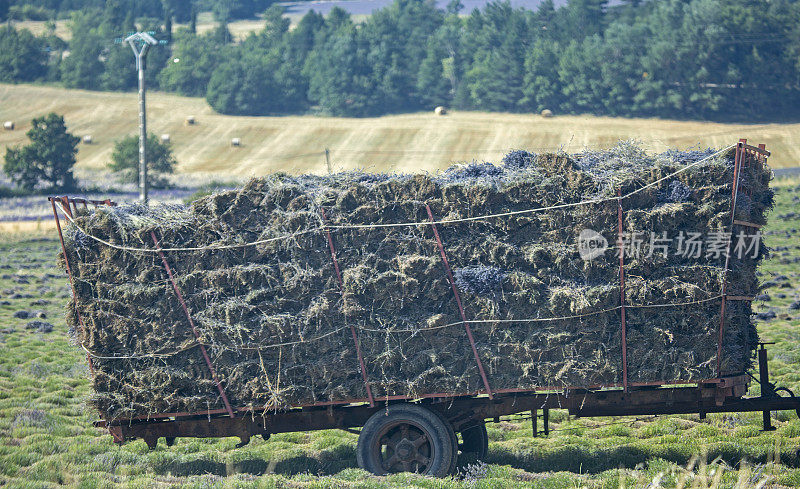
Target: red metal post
point(737, 161)
point(65, 205)
point(194, 329)
point(458, 301)
point(69, 273)
point(341, 291)
point(621, 245)
point(760, 157)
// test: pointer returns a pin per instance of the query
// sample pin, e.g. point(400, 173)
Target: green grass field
point(47, 438)
point(405, 143)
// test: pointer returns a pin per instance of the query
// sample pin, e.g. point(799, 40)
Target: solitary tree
point(48, 159)
point(125, 160)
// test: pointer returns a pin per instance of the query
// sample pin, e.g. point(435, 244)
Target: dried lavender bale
point(676, 192)
point(276, 323)
point(518, 159)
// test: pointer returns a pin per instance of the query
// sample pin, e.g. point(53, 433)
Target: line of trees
point(730, 59)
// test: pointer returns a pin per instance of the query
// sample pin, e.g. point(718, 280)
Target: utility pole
point(328, 160)
point(140, 42)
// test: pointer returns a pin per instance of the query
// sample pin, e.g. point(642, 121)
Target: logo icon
point(591, 244)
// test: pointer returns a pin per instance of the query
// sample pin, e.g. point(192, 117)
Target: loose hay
point(277, 326)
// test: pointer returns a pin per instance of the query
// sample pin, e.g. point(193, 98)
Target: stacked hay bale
point(276, 323)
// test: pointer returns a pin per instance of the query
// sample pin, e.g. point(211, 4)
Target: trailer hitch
point(768, 389)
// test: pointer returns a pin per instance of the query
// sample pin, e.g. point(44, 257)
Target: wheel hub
point(405, 448)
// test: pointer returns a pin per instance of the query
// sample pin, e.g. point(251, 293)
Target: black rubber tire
point(454, 441)
point(442, 452)
point(475, 440)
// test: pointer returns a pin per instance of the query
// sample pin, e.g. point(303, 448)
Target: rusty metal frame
point(458, 301)
point(758, 155)
point(194, 328)
point(64, 204)
point(341, 291)
point(737, 161)
point(747, 224)
point(541, 390)
point(724, 396)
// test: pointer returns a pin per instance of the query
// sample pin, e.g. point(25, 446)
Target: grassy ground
point(408, 142)
point(47, 438)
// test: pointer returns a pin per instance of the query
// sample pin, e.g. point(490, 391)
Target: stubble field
point(396, 143)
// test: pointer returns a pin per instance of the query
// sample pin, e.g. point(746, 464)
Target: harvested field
point(276, 323)
point(408, 143)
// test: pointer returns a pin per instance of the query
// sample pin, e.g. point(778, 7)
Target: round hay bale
point(440, 110)
point(235, 142)
point(165, 138)
point(87, 139)
point(8, 125)
point(547, 113)
point(190, 121)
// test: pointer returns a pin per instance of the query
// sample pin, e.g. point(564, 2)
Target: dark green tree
point(300, 40)
point(129, 24)
point(579, 75)
point(194, 60)
point(115, 12)
point(193, 20)
point(48, 160)
point(159, 56)
point(541, 88)
point(676, 63)
point(181, 9)
point(258, 79)
point(221, 34)
point(442, 69)
point(621, 70)
point(545, 16)
point(393, 66)
point(125, 160)
point(83, 67)
point(498, 38)
point(585, 18)
point(341, 80)
point(337, 18)
point(168, 25)
point(22, 55)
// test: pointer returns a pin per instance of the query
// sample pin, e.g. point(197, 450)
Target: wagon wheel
point(475, 441)
point(791, 394)
point(406, 438)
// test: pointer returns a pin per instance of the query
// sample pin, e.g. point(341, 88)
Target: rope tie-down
point(458, 302)
point(194, 328)
point(395, 224)
point(341, 291)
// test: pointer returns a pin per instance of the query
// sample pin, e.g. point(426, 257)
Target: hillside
point(408, 142)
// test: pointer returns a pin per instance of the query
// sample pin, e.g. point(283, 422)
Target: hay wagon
point(426, 433)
